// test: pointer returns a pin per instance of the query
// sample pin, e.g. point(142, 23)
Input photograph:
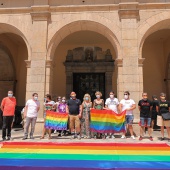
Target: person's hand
point(79, 115)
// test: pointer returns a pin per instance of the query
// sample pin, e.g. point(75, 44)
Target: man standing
point(31, 112)
point(74, 109)
point(128, 105)
point(8, 107)
point(112, 103)
point(145, 108)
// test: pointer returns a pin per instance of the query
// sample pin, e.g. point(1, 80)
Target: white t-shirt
point(112, 104)
point(126, 104)
point(32, 108)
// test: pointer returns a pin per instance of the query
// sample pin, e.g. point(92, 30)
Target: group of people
point(79, 114)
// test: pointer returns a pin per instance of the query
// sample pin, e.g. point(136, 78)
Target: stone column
point(36, 74)
point(129, 76)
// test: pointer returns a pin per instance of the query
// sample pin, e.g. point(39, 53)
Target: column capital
point(119, 62)
point(28, 63)
point(129, 11)
point(50, 64)
point(140, 62)
point(40, 13)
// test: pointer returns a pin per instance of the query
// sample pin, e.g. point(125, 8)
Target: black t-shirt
point(73, 106)
point(145, 108)
point(164, 107)
point(154, 104)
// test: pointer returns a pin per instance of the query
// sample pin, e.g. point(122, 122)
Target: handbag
point(166, 116)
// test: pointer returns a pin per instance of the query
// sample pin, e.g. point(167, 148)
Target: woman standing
point(98, 104)
point(62, 109)
point(163, 107)
point(48, 104)
point(85, 120)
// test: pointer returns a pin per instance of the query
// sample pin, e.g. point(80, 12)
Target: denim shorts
point(145, 121)
point(129, 119)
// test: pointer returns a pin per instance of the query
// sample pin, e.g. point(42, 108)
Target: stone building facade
point(45, 43)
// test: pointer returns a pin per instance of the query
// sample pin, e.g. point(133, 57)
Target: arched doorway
point(13, 53)
point(65, 69)
point(156, 51)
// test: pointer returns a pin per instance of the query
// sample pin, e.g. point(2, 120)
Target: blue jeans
point(129, 119)
point(145, 121)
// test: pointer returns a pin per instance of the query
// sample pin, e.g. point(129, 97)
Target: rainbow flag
point(107, 121)
point(84, 156)
point(56, 121)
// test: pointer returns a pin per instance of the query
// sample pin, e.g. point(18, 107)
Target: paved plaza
point(18, 133)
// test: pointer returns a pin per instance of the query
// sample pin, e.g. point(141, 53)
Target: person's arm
point(120, 107)
point(80, 111)
point(157, 108)
point(103, 104)
point(2, 105)
point(67, 110)
point(132, 108)
point(25, 111)
point(93, 104)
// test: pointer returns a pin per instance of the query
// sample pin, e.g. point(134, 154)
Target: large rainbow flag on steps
point(107, 121)
point(84, 156)
point(56, 121)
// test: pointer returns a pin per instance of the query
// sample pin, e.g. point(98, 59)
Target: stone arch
point(100, 26)
point(7, 63)
point(7, 28)
point(151, 25)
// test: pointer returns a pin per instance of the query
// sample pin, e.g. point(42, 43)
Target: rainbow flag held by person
point(56, 121)
point(84, 156)
point(107, 121)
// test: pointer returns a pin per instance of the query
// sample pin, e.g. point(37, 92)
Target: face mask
point(97, 96)
point(126, 96)
point(111, 96)
point(10, 95)
point(163, 98)
point(35, 98)
point(73, 97)
point(63, 101)
point(86, 98)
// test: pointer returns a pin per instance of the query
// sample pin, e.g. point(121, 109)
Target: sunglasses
point(126, 94)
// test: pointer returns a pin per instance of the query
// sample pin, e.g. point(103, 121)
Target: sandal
point(49, 137)
point(42, 137)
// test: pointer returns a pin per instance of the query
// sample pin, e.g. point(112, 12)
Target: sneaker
point(140, 138)
point(113, 137)
point(79, 137)
point(123, 137)
point(161, 139)
point(31, 137)
point(4, 139)
point(107, 137)
point(24, 138)
point(72, 137)
point(150, 138)
point(132, 137)
point(9, 138)
point(55, 131)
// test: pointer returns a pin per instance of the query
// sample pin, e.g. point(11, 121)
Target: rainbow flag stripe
point(84, 156)
point(56, 121)
point(107, 121)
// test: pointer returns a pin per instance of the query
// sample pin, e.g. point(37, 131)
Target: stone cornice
point(80, 8)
